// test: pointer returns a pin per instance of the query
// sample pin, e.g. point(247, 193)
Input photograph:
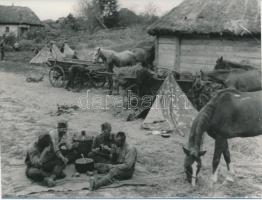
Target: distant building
point(194, 34)
point(17, 20)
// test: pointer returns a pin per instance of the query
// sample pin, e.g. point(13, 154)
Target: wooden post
point(156, 51)
point(177, 54)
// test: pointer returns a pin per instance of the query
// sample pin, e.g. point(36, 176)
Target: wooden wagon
point(93, 72)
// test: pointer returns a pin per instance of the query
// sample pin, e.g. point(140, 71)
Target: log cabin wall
point(193, 55)
point(168, 52)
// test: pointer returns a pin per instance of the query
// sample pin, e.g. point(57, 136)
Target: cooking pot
point(82, 165)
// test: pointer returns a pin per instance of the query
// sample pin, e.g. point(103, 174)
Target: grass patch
point(19, 56)
point(21, 68)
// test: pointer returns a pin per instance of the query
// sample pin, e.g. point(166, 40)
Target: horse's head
point(220, 64)
point(192, 164)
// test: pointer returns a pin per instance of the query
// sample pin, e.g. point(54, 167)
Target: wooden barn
point(17, 20)
point(195, 33)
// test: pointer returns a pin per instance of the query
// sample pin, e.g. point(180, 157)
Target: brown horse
point(140, 54)
point(228, 65)
point(145, 56)
point(228, 115)
point(245, 81)
point(115, 59)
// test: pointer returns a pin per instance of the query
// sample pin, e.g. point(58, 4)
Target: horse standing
point(146, 56)
point(229, 65)
point(113, 58)
point(226, 74)
point(228, 115)
point(245, 81)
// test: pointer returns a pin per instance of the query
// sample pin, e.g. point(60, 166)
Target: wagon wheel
point(81, 81)
point(98, 81)
point(57, 77)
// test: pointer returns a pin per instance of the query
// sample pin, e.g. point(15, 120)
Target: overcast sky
point(53, 9)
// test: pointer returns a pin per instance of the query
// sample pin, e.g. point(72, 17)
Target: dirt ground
point(27, 107)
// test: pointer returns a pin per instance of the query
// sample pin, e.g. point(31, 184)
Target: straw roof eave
point(215, 17)
point(167, 32)
point(15, 23)
point(15, 15)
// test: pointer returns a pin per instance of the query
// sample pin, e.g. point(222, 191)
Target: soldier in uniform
point(122, 169)
point(64, 147)
point(74, 72)
point(102, 145)
point(42, 163)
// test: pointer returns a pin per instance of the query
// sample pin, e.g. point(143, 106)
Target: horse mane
point(201, 123)
point(107, 54)
point(107, 51)
point(199, 126)
point(216, 73)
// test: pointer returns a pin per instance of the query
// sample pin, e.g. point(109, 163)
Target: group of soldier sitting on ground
point(49, 155)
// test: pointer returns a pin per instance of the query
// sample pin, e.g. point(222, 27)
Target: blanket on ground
point(23, 186)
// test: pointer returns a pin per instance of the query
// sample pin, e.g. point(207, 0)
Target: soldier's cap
point(62, 124)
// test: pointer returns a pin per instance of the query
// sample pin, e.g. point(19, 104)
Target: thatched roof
point(18, 15)
point(231, 17)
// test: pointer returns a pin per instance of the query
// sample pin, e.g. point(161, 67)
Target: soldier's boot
point(49, 181)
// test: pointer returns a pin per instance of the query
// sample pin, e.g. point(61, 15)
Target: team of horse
point(233, 75)
point(234, 112)
point(125, 58)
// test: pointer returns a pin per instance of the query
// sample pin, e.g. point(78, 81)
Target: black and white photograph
point(130, 99)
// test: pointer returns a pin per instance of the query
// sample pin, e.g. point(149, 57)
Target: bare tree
point(103, 13)
point(151, 10)
point(89, 9)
